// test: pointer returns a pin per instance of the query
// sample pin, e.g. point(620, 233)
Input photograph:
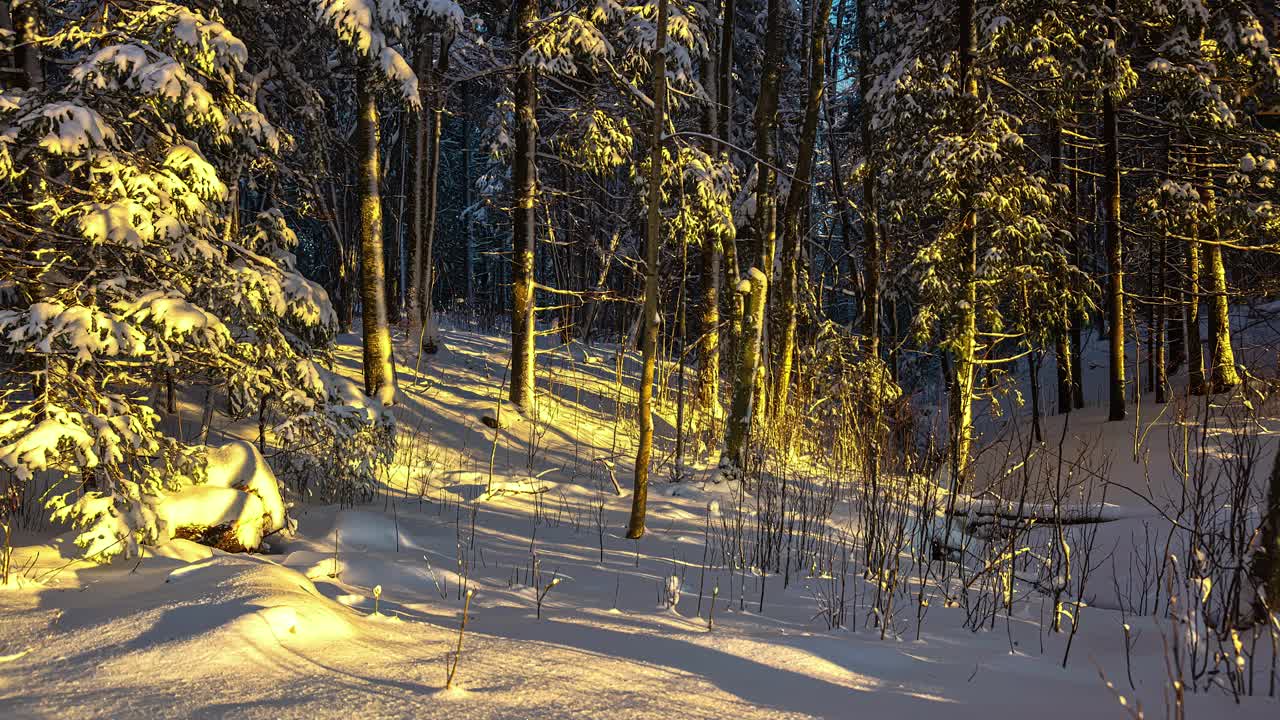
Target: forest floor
point(567, 617)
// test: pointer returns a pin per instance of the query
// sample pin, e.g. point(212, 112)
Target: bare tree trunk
point(523, 350)
point(1222, 362)
point(379, 376)
point(707, 380)
point(469, 231)
point(1115, 254)
point(429, 341)
point(1195, 349)
point(418, 201)
point(870, 219)
point(797, 203)
point(27, 25)
point(653, 231)
point(766, 229)
point(966, 345)
point(840, 195)
point(724, 119)
point(1161, 365)
point(733, 457)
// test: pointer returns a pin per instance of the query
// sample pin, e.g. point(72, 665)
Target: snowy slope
point(191, 632)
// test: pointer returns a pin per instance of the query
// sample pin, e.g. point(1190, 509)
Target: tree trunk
point(418, 193)
point(428, 342)
point(1033, 365)
point(653, 231)
point(379, 376)
point(707, 380)
point(1265, 567)
point(797, 203)
point(838, 192)
point(724, 119)
point(870, 222)
point(1222, 362)
point(766, 225)
point(1195, 349)
point(27, 25)
point(724, 72)
point(469, 226)
point(1221, 356)
point(1061, 344)
point(1076, 320)
point(1161, 364)
point(738, 425)
point(965, 347)
point(1115, 255)
point(523, 357)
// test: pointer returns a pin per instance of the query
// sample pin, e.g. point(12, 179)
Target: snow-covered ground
point(567, 618)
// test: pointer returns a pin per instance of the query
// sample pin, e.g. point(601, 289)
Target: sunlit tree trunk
point(1161, 347)
point(1222, 362)
point(379, 376)
point(523, 177)
point(1195, 348)
point(707, 380)
point(965, 345)
point(784, 341)
point(738, 425)
point(653, 231)
point(766, 213)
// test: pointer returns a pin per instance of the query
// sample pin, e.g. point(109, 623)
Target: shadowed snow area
point(525, 520)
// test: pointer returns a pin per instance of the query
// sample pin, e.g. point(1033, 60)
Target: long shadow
point(762, 685)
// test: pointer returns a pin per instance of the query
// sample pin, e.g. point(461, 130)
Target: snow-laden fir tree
point(125, 270)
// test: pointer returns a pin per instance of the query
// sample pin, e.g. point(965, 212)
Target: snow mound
point(238, 505)
point(239, 465)
point(315, 564)
point(180, 549)
point(197, 510)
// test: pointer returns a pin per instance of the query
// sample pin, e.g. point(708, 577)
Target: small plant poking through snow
point(542, 594)
point(452, 660)
point(673, 592)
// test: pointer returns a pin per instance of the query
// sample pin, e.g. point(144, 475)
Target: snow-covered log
point(239, 465)
point(235, 509)
point(226, 518)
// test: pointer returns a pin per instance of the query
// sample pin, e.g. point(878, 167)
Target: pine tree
point(141, 263)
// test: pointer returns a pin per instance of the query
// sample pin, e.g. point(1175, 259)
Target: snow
point(195, 632)
point(74, 128)
point(364, 25)
point(239, 465)
point(207, 506)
